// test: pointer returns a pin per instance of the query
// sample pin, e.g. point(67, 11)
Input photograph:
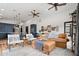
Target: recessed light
point(2, 9)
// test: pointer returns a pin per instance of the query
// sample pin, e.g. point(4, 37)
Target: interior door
point(27, 29)
point(33, 28)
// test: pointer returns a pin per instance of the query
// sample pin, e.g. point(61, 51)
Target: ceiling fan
point(55, 5)
point(34, 13)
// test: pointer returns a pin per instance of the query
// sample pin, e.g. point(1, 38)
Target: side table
point(26, 42)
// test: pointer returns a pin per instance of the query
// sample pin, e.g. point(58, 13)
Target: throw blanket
point(39, 44)
point(53, 34)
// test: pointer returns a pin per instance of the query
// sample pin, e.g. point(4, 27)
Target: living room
point(38, 27)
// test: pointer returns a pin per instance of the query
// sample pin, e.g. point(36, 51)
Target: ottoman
point(48, 46)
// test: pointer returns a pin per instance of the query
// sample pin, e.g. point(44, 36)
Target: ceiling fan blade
point(50, 7)
point(56, 8)
point(34, 11)
point(62, 4)
point(50, 3)
point(37, 13)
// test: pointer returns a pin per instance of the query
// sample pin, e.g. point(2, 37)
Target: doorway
point(27, 29)
point(33, 29)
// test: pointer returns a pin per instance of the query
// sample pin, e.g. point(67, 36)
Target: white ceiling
point(12, 9)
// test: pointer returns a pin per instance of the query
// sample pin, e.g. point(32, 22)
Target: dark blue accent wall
point(5, 29)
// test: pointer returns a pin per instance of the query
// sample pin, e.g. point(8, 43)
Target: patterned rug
point(29, 51)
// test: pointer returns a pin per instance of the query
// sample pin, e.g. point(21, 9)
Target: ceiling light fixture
point(2, 9)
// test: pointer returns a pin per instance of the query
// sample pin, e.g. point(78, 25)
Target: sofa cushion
point(62, 35)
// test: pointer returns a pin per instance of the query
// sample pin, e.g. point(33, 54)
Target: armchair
point(62, 40)
point(30, 38)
